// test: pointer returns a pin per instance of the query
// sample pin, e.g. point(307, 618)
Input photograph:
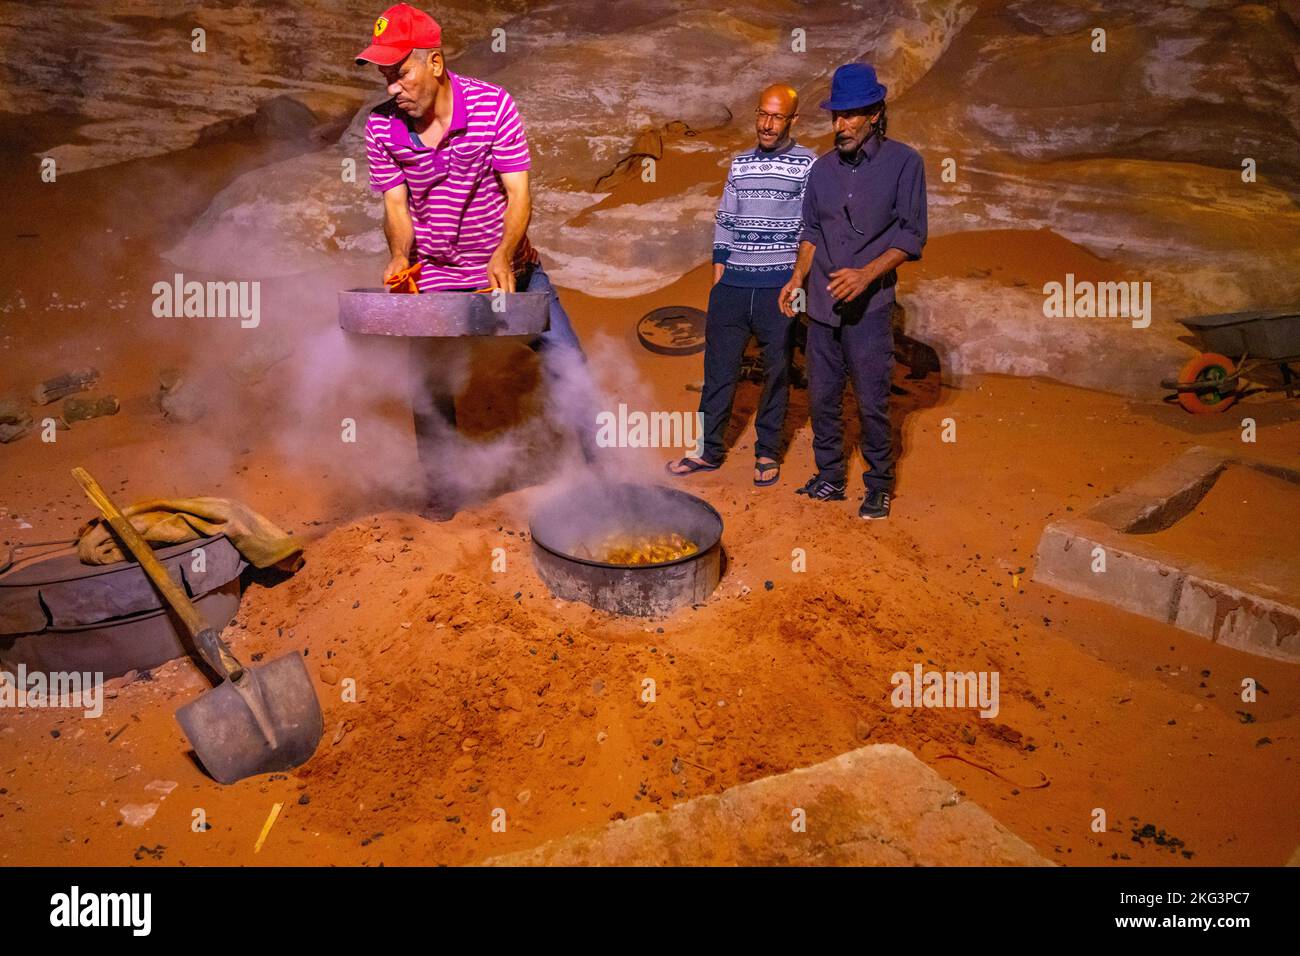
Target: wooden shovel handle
point(172, 591)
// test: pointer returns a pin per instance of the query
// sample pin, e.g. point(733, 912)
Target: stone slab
point(875, 806)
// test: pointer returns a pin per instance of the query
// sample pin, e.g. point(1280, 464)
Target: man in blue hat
point(863, 216)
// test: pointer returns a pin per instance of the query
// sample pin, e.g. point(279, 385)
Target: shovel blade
point(227, 739)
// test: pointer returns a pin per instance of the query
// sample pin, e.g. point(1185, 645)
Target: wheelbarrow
point(1239, 344)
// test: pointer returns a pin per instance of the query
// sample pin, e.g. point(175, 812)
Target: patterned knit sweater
point(758, 221)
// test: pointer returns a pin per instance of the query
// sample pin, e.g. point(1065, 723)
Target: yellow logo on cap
point(381, 25)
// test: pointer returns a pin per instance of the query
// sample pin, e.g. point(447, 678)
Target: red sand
point(531, 705)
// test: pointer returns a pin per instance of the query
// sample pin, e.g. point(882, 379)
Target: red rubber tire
point(1208, 366)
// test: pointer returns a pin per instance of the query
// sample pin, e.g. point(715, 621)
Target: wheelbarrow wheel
point(1210, 369)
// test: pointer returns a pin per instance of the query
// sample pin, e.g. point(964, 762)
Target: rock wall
point(1135, 153)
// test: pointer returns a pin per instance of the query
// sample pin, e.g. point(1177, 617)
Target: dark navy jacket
point(853, 213)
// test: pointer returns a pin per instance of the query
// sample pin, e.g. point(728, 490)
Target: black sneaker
point(875, 506)
point(819, 489)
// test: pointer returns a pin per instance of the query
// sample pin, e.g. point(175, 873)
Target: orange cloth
point(164, 521)
point(404, 281)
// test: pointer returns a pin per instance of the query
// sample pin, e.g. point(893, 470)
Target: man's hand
point(399, 231)
point(786, 299)
point(395, 265)
point(802, 263)
point(500, 274)
point(848, 284)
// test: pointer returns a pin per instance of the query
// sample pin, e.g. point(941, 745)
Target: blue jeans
point(568, 390)
point(560, 335)
point(734, 314)
point(863, 352)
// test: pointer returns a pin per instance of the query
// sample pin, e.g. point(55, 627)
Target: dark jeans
point(735, 313)
point(864, 351)
point(438, 365)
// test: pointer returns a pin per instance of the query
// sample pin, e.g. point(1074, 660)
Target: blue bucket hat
point(854, 86)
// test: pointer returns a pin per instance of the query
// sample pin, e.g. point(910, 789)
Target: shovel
point(258, 719)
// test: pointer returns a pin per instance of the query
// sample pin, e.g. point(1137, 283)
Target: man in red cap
point(449, 154)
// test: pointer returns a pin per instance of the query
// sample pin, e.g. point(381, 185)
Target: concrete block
point(1245, 621)
point(1160, 498)
point(1132, 581)
point(1141, 578)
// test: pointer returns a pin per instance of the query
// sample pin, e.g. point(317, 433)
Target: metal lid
point(443, 314)
point(55, 590)
point(673, 330)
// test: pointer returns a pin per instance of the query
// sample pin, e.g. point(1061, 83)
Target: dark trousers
point(439, 365)
point(864, 352)
point(735, 313)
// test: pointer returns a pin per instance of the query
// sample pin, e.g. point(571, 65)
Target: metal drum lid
point(57, 591)
point(444, 314)
point(672, 330)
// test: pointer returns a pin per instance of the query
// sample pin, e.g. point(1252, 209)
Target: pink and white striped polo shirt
point(456, 200)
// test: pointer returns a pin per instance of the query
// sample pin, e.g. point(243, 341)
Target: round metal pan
point(648, 590)
point(443, 314)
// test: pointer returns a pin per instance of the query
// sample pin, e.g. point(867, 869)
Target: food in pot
point(643, 549)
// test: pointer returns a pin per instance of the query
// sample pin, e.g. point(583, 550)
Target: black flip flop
point(767, 466)
point(691, 467)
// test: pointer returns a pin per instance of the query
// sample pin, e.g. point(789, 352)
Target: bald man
point(755, 243)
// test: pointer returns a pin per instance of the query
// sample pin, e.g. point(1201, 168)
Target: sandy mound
point(473, 689)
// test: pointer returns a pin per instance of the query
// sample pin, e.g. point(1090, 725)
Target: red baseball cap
point(398, 31)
